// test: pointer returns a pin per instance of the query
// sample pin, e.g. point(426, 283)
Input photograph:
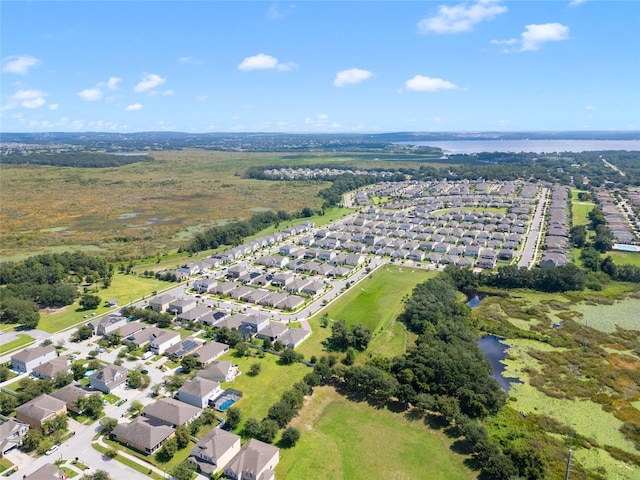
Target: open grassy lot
point(621, 258)
point(341, 439)
point(125, 288)
point(22, 341)
point(580, 210)
point(375, 302)
point(142, 209)
point(265, 389)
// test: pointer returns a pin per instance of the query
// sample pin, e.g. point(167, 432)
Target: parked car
point(52, 450)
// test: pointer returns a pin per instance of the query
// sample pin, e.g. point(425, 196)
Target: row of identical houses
point(556, 241)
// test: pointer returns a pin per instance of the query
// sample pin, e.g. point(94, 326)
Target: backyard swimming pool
point(226, 404)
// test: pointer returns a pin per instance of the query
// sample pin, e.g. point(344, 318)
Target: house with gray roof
point(205, 285)
point(162, 340)
point(294, 337)
point(160, 303)
point(12, 432)
point(215, 451)
point(70, 394)
point(198, 392)
point(181, 305)
point(108, 324)
point(26, 360)
point(290, 303)
point(51, 368)
point(194, 314)
point(110, 377)
point(255, 460)
point(219, 371)
point(42, 408)
point(210, 351)
point(144, 336)
point(185, 347)
point(172, 412)
point(143, 434)
point(273, 331)
point(47, 472)
point(213, 317)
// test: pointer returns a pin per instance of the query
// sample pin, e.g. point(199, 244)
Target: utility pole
point(568, 468)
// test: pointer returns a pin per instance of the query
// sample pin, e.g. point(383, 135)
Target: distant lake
point(535, 146)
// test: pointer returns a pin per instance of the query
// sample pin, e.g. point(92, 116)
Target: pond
point(474, 301)
point(496, 351)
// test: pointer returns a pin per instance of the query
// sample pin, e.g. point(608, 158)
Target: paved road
point(534, 234)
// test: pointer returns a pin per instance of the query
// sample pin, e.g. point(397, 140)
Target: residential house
point(37, 411)
point(198, 392)
point(215, 451)
point(225, 288)
point(314, 288)
point(220, 371)
point(205, 285)
point(294, 337)
point(161, 341)
point(47, 472)
point(181, 305)
point(185, 347)
point(256, 460)
point(253, 324)
point(108, 324)
point(70, 394)
point(282, 279)
point(210, 352)
point(160, 303)
point(29, 358)
point(143, 434)
point(172, 412)
point(273, 331)
point(130, 328)
point(144, 336)
point(213, 317)
point(194, 314)
point(109, 378)
point(11, 433)
point(290, 303)
point(51, 368)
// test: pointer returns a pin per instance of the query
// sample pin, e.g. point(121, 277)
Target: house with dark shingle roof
point(70, 394)
point(11, 433)
point(52, 368)
point(47, 472)
point(210, 351)
point(143, 434)
point(172, 412)
point(37, 411)
point(220, 371)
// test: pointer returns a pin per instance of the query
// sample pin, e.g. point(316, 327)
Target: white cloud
point(133, 107)
point(191, 60)
point(148, 82)
point(277, 11)
point(265, 62)
point(168, 93)
point(420, 83)
point(589, 107)
point(54, 106)
point(351, 76)
point(461, 17)
point(574, 3)
point(26, 98)
point(19, 64)
point(113, 82)
point(92, 94)
point(536, 35)
point(202, 98)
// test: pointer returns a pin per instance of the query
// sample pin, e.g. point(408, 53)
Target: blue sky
point(329, 66)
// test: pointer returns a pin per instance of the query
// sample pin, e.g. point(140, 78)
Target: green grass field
point(341, 439)
point(125, 288)
point(22, 341)
point(622, 258)
point(580, 210)
point(265, 389)
point(375, 302)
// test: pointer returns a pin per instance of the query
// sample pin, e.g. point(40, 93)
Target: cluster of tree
point(97, 475)
point(167, 276)
point(347, 182)
point(593, 261)
point(73, 159)
point(603, 241)
point(342, 338)
point(231, 337)
point(160, 319)
point(555, 279)
point(234, 233)
point(48, 280)
point(446, 362)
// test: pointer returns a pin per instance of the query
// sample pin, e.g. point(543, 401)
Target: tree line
point(73, 159)
point(47, 280)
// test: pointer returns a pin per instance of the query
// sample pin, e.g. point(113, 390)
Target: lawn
point(265, 389)
point(346, 440)
point(580, 211)
point(375, 302)
point(22, 341)
point(622, 258)
point(126, 288)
